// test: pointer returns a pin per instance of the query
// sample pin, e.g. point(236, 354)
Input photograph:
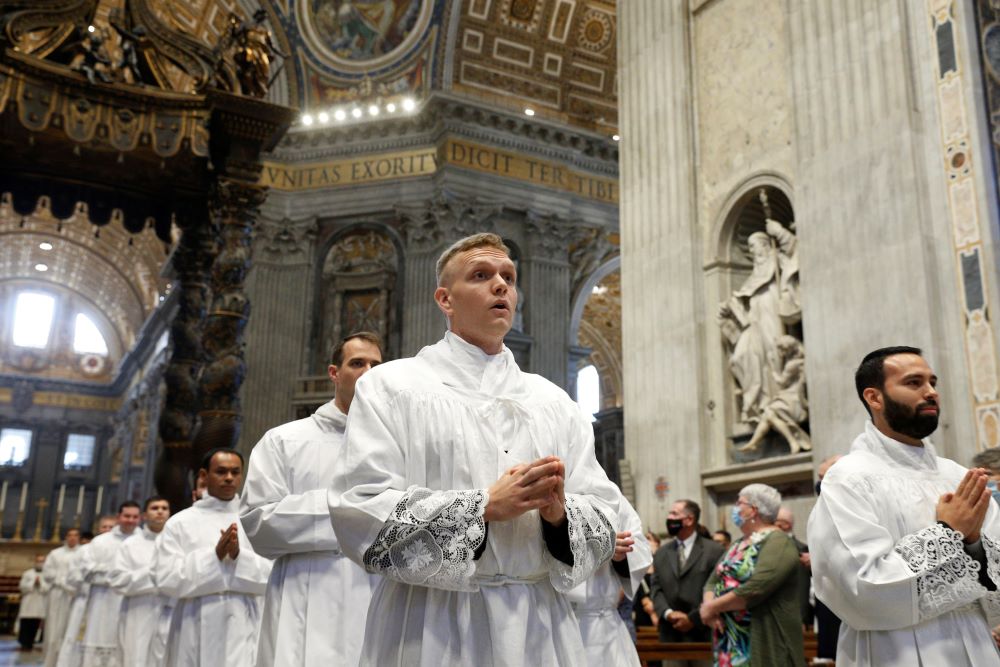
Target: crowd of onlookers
point(702, 585)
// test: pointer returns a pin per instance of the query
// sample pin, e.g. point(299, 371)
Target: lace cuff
point(947, 578)
point(992, 549)
point(430, 539)
point(592, 540)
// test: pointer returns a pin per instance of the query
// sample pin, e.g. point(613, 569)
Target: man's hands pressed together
point(529, 486)
point(228, 544)
point(965, 509)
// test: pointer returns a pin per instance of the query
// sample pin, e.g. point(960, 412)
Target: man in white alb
point(472, 488)
point(60, 598)
point(904, 544)
point(31, 611)
point(92, 631)
point(145, 612)
point(606, 638)
point(317, 598)
point(205, 561)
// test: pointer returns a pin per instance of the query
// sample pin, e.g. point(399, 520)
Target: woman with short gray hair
point(757, 576)
point(765, 498)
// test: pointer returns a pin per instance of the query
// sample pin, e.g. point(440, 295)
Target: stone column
point(233, 205)
point(546, 285)
point(661, 286)
point(177, 421)
point(423, 323)
point(279, 286)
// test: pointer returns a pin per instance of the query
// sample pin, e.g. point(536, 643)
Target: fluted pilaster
point(279, 287)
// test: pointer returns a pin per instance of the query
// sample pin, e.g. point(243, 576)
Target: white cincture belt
point(494, 580)
point(601, 611)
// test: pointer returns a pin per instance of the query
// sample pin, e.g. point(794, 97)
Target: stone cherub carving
point(789, 407)
point(756, 317)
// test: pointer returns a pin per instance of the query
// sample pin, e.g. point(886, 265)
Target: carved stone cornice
point(445, 115)
point(549, 236)
point(285, 242)
point(445, 218)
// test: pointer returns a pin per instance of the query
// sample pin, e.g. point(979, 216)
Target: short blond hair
point(481, 240)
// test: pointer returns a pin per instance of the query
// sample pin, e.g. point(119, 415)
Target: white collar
point(689, 542)
point(212, 504)
point(461, 364)
point(330, 416)
point(894, 452)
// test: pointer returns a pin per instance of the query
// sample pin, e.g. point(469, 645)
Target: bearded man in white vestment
point(317, 598)
point(92, 631)
point(145, 612)
point(905, 544)
point(60, 597)
point(206, 562)
point(606, 638)
point(474, 567)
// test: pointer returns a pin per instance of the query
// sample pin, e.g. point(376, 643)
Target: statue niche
point(761, 327)
point(359, 276)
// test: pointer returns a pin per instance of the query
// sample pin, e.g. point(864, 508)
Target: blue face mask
point(994, 488)
point(735, 515)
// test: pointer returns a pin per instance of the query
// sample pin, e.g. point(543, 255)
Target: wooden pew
point(650, 649)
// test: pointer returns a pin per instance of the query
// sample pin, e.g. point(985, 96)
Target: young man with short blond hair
point(472, 488)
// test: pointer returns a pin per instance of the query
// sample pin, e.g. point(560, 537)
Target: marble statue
point(755, 317)
point(789, 407)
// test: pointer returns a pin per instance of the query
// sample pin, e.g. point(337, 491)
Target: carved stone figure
point(789, 407)
point(757, 315)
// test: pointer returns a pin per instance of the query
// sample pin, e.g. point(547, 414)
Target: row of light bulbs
point(407, 105)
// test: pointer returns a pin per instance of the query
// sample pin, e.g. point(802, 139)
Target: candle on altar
point(62, 497)
point(3, 497)
point(79, 501)
point(100, 497)
point(24, 496)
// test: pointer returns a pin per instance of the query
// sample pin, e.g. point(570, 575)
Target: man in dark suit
point(786, 522)
point(681, 568)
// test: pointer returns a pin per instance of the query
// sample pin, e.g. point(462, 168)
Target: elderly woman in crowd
point(751, 600)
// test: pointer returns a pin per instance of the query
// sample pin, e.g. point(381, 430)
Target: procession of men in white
point(448, 509)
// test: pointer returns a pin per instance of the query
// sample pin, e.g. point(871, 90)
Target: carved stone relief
point(760, 324)
point(359, 276)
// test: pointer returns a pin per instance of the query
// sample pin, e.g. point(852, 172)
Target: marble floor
point(9, 655)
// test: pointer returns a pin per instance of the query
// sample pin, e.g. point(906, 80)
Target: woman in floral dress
point(751, 600)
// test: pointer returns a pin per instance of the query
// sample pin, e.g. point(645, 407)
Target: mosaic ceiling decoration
point(555, 56)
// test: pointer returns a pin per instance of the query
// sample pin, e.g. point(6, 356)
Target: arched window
point(33, 319)
point(87, 338)
point(15, 446)
point(588, 390)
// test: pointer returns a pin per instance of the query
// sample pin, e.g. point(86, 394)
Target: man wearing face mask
point(681, 568)
point(905, 544)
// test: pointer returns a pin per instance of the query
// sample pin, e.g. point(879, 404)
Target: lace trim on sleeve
point(947, 578)
point(591, 539)
point(992, 549)
point(430, 539)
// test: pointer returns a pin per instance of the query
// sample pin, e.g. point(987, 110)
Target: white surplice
point(34, 590)
point(145, 612)
point(904, 586)
point(605, 636)
point(92, 630)
point(426, 438)
point(317, 598)
point(60, 599)
point(217, 616)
